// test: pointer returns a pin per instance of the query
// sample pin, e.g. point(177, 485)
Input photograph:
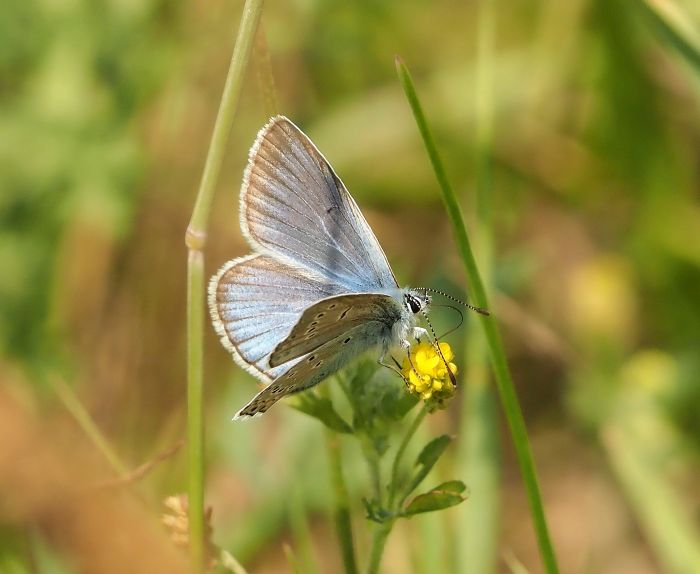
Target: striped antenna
point(451, 298)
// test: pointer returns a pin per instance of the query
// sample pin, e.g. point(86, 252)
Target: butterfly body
point(317, 291)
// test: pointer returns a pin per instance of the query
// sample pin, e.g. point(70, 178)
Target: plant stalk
point(195, 406)
point(396, 466)
point(195, 239)
point(476, 539)
point(382, 531)
point(343, 524)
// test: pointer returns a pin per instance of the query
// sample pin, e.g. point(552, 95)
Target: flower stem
point(396, 466)
point(381, 533)
point(195, 239)
point(343, 525)
point(502, 374)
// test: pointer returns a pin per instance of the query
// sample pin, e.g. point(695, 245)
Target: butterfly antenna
point(436, 344)
point(451, 298)
point(461, 318)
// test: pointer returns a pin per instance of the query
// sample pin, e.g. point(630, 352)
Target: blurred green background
point(106, 109)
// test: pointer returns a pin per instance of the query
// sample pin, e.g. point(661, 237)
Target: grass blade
point(502, 374)
point(675, 27)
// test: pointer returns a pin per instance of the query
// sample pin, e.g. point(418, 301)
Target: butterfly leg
point(396, 369)
point(419, 332)
point(408, 354)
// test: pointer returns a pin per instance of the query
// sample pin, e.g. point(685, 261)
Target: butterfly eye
point(413, 304)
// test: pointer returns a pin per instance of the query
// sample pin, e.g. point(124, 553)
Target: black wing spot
point(317, 365)
point(311, 358)
point(342, 315)
point(320, 315)
point(346, 341)
point(332, 306)
point(314, 323)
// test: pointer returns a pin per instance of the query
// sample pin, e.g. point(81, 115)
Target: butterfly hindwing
point(295, 207)
point(332, 317)
point(316, 366)
point(254, 302)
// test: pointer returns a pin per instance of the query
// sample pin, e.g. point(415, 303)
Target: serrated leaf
point(321, 408)
point(442, 496)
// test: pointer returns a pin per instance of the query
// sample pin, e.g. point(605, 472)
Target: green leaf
point(455, 486)
point(427, 458)
point(433, 451)
point(442, 496)
point(321, 408)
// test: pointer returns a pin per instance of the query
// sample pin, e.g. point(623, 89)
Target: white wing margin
point(254, 302)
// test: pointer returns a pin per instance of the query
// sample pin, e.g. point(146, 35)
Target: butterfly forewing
point(294, 206)
point(333, 317)
point(255, 301)
point(316, 366)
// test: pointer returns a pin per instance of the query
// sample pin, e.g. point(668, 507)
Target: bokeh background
point(593, 181)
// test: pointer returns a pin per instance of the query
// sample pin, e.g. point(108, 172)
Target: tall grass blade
point(502, 374)
point(676, 28)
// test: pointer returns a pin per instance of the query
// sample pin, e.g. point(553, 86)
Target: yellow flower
point(426, 373)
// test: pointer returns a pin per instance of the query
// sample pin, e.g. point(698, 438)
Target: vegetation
point(564, 139)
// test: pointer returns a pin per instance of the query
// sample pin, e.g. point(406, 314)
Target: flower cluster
point(426, 372)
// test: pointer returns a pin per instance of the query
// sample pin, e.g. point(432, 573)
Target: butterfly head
point(416, 300)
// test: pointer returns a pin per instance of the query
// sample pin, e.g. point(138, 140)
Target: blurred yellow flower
point(427, 374)
point(603, 302)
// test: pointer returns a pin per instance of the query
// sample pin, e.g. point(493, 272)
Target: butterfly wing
point(316, 366)
point(254, 302)
point(335, 316)
point(294, 206)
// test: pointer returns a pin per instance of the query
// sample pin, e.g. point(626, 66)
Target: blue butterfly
point(317, 290)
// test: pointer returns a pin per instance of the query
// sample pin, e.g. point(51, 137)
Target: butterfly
point(317, 290)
